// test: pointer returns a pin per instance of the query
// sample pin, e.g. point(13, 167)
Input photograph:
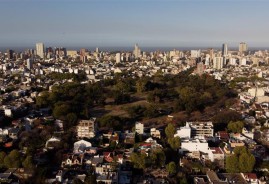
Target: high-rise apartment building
point(29, 63)
point(218, 63)
point(195, 53)
point(137, 51)
point(243, 47)
point(118, 58)
point(82, 53)
point(211, 54)
point(224, 49)
point(40, 50)
point(10, 54)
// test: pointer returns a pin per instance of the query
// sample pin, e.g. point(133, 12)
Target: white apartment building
point(201, 129)
point(192, 145)
point(243, 47)
point(184, 132)
point(195, 53)
point(40, 50)
point(118, 58)
point(195, 129)
point(86, 128)
point(139, 128)
point(218, 63)
point(215, 153)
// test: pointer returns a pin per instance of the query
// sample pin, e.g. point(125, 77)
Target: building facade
point(40, 50)
point(87, 128)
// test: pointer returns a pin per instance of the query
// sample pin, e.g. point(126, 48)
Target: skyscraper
point(118, 58)
point(243, 47)
point(218, 63)
point(82, 53)
point(40, 50)
point(29, 63)
point(136, 51)
point(10, 54)
point(224, 49)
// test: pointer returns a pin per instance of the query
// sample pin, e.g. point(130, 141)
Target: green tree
point(235, 126)
point(174, 142)
point(141, 85)
point(71, 119)
point(170, 130)
point(13, 160)
point(61, 110)
point(42, 100)
point(2, 157)
point(171, 168)
point(232, 164)
point(246, 162)
point(28, 163)
point(241, 161)
point(139, 160)
point(157, 158)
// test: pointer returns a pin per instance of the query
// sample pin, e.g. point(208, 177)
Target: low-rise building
point(139, 128)
point(194, 145)
point(216, 154)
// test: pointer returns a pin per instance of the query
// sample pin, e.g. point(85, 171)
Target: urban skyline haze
point(118, 23)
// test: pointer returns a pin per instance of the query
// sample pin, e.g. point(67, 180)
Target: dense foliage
point(241, 161)
point(182, 92)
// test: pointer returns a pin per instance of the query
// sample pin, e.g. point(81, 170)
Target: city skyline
point(119, 23)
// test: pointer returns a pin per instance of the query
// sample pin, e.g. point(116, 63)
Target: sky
point(122, 23)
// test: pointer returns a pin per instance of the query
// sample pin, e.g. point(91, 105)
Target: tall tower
point(218, 63)
point(224, 49)
point(118, 58)
point(29, 63)
point(243, 47)
point(40, 50)
point(136, 51)
point(10, 54)
point(82, 53)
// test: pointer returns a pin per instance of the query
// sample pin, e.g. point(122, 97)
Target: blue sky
point(151, 23)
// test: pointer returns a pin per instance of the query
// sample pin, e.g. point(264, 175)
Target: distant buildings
point(10, 54)
point(82, 53)
point(243, 47)
point(118, 58)
point(224, 49)
point(137, 51)
point(40, 50)
point(29, 63)
point(195, 53)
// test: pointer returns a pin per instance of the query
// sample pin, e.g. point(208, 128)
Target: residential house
point(13, 133)
point(223, 136)
point(215, 153)
point(155, 133)
point(72, 160)
point(251, 178)
point(81, 146)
